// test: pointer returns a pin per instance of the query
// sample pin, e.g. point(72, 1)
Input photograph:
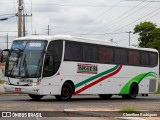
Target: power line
point(131, 13)
point(8, 31)
point(6, 18)
point(97, 17)
point(112, 22)
point(125, 39)
point(136, 20)
point(15, 11)
point(31, 17)
point(14, 6)
point(145, 0)
point(7, 14)
point(97, 11)
point(76, 5)
point(101, 33)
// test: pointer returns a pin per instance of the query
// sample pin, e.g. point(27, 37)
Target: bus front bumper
point(22, 89)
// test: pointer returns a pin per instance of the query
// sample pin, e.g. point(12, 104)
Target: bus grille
point(152, 85)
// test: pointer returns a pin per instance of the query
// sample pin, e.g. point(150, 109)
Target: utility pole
point(20, 8)
point(129, 37)
point(7, 40)
point(24, 26)
point(48, 29)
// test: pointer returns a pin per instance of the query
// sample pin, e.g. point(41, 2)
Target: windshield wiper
point(25, 66)
point(15, 63)
point(17, 51)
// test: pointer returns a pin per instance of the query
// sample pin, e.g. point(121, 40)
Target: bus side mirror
point(4, 55)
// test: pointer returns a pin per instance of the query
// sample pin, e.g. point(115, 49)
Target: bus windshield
point(25, 59)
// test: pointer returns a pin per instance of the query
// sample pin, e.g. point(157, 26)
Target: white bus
point(66, 65)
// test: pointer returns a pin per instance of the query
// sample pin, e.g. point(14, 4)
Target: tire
point(66, 92)
point(125, 96)
point(132, 92)
point(105, 96)
point(35, 97)
point(146, 94)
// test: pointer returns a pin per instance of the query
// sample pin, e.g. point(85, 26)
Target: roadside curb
point(102, 112)
point(2, 88)
point(92, 113)
point(129, 118)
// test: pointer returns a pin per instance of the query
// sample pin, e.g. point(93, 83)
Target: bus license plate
point(18, 89)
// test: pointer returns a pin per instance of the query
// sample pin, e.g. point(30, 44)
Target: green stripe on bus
point(96, 76)
point(137, 79)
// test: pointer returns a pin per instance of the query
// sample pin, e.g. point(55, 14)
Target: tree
point(145, 32)
point(156, 39)
point(149, 35)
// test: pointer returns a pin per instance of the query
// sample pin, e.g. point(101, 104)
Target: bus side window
point(48, 66)
point(144, 58)
point(134, 57)
point(153, 58)
point(105, 55)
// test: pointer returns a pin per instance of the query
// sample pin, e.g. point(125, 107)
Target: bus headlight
point(35, 83)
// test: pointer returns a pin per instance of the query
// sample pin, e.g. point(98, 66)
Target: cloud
point(77, 16)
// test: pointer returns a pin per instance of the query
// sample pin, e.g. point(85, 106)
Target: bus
point(64, 65)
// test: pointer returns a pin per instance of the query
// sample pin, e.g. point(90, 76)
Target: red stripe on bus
point(99, 80)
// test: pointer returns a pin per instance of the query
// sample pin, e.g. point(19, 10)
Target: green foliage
point(156, 39)
point(149, 35)
point(158, 91)
point(129, 110)
point(145, 32)
point(2, 81)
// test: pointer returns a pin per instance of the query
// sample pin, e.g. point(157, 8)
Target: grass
point(129, 110)
point(2, 81)
point(158, 91)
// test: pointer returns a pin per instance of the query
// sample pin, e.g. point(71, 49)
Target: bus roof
point(80, 39)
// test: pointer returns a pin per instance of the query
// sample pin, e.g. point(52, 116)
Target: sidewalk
point(1, 88)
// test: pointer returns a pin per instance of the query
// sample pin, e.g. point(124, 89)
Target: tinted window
point(89, 53)
point(134, 58)
point(153, 57)
point(53, 58)
point(48, 69)
point(121, 56)
point(144, 58)
point(84, 52)
point(105, 55)
point(55, 48)
point(73, 51)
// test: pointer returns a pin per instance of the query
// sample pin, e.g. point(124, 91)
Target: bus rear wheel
point(132, 93)
point(66, 92)
point(35, 97)
point(105, 96)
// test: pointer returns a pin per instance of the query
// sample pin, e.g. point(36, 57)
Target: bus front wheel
point(35, 97)
point(66, 92)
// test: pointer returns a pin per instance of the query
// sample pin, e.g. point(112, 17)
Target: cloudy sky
point(102, 19)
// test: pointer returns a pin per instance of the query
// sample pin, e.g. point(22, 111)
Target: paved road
point(80, 103)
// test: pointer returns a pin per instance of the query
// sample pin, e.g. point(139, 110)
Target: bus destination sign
point(87, 68)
